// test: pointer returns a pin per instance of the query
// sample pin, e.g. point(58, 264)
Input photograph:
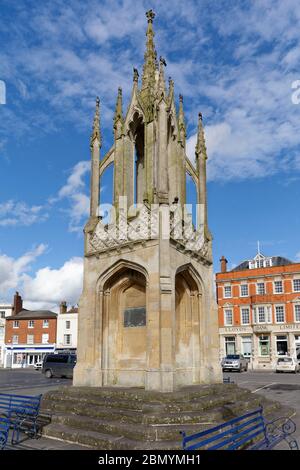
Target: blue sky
point(235, 61)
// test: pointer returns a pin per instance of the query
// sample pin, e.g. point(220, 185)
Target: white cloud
point(48, 287)
point(298, 256)
point(20, 214)
point(73, 190)
point(245, 85)
point(13, 270)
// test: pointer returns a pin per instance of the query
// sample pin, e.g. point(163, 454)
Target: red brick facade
point(23, 330)
point(259, 311)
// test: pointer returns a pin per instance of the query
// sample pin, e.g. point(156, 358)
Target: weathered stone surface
point(150, 257)
point(112, 418)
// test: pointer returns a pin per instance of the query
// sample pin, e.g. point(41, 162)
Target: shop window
point(230, 345)
point(281, 345)
point(264, 345)
point(247, 346)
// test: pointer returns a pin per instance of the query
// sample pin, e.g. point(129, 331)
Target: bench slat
point(221, 426)
point(231, 430)
point(240, 431)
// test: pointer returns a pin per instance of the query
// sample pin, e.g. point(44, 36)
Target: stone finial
point(135, 75)
point(200, 144)
point(150, 62)
point(118, 117)
point(161, 79)
point(181, 121)
point(96, 135)
point(150, 16)
point(162, 61)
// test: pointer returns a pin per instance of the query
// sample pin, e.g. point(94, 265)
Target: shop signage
point(258, 328)
point(293, 326)
point(237, 329)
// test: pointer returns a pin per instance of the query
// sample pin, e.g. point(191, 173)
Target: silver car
point(234, 362)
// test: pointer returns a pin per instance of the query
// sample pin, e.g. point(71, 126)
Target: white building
point(5, 311)
point(67, 328)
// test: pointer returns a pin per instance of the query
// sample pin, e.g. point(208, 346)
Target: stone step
point(97, 440)
point(78, 403)
point(135, 431)
point(127, 416)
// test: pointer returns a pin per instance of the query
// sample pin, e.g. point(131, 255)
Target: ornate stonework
point(147, 311)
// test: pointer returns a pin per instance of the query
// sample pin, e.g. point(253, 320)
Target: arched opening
point(107, 194)
point(138, 132)
point(187, 327)
point(125, 327)
point(191, 198)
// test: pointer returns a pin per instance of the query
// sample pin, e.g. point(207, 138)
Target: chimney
point(63, 307)
point(224, 262)
point(18, 304)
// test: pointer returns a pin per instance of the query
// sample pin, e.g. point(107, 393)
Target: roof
point(276, 261)
point(32, 314)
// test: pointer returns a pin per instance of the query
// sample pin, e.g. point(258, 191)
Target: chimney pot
point(18, 304)
point(63, 307)
point(224, 262)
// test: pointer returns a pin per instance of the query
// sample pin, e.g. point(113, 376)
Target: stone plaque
point(134, 317)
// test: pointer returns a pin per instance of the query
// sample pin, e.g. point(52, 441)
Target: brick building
point(259, 309)
point(29, 335)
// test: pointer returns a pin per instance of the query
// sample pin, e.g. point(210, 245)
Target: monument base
point(132, 418)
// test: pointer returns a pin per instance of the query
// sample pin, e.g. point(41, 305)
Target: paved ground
point(28, 382)
point(32, 382)
point(284, 388)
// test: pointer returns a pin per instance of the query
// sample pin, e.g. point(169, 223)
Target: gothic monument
point(148, 317)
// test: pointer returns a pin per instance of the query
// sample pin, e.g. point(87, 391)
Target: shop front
point(17, 357)
point(262, 345)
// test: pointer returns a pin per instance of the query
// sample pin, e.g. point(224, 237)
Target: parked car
point(234, 362)
point(59, 365)
point(287, 364)
point(38, 365)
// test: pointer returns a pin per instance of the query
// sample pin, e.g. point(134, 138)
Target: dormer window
point(260, 261)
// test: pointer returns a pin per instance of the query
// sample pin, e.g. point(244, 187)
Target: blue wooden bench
point(249, 431)
point(4, 430)
point(22, 412)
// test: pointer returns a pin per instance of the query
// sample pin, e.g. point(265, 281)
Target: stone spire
point(200, 149)
point(181, 121)
point(161, 79)
point(171, 88)
point(118, 117)
point(201, 157)
point(96, 135)
point(149, 68)
point(95, 145)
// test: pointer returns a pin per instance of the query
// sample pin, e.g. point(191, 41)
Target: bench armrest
point(283, 424)
point(282, 427)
